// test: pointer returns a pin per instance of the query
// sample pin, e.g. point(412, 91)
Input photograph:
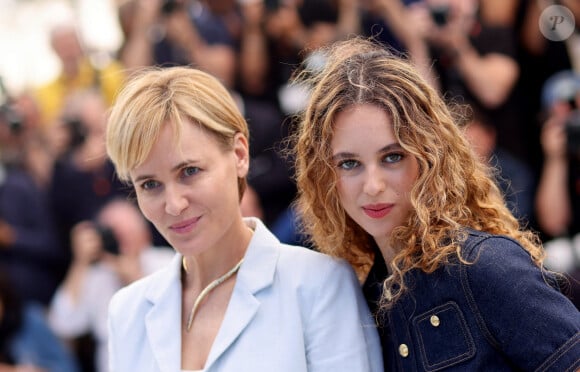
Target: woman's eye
point(393, 158)
point(149, 185)
point(190, 171)
point(348, 164)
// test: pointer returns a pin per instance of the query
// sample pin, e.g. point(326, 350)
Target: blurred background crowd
point(70, 233)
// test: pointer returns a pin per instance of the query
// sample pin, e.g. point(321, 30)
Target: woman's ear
point(242, 154)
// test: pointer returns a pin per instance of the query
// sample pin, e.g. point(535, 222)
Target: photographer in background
point(80, 68)
point(514, 177)
point(83, 179)
point(164, 32)
point(558, 195)
point(108, 253)
point(30, 254)
point(474, 59)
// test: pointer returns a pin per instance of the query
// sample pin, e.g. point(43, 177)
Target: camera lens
point(169, 6)
point(439, 14)
point(108, 239)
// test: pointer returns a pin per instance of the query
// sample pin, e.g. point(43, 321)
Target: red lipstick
point(377, 210)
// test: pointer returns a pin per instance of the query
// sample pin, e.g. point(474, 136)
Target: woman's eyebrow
point(350, 155)
point(343, 155)
point(174, 169)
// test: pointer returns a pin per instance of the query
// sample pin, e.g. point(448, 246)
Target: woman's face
point(189, 190)
point(375, 175)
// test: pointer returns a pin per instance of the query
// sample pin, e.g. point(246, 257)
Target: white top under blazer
point(292, 309)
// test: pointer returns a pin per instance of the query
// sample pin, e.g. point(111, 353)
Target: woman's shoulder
point(484, 246)
point(310, 271)
point(501, 262)
point(310, 259)
point(296, 258)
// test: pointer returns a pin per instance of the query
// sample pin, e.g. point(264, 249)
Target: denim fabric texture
point(499, 313)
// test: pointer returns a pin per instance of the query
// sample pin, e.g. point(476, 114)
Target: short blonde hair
point(155, 97)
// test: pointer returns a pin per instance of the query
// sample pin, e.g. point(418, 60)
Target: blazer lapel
point(256, 273)
point(162, 322)
point(236, 320)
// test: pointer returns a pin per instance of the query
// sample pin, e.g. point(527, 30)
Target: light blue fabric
point(292, 309)
point(36, 344)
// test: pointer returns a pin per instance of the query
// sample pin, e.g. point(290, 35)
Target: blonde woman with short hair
point(234, 298)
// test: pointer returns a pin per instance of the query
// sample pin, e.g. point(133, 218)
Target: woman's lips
point(377, 210)
point(184, 226)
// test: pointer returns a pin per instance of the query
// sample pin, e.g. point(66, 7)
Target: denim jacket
point(497, 314)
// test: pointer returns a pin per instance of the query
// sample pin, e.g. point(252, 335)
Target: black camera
point(10, 117)
point(573, 133)
point(439, 14)
point(109, 241)
point(170, 6)
point(8, 114)
point(77, 131)
point(272, 4)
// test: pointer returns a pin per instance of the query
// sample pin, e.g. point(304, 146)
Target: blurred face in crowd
point(66, 44)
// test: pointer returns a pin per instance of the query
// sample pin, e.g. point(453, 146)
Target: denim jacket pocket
point(443, 337)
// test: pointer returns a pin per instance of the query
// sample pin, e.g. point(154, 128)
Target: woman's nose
point(175, 201)
point(374, 182)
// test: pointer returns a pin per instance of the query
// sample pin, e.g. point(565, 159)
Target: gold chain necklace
point(207, 289)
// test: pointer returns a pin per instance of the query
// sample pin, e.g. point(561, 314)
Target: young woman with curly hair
point(388, 182)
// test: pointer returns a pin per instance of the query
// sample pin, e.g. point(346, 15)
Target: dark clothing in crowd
point(35, 261)
point(485, 40)
point(517, 182)
point(77, 195)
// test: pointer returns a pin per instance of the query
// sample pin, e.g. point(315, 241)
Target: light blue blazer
point(292, 309)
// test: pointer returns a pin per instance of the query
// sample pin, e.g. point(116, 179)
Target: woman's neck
point(386, 249)
point(204, 268)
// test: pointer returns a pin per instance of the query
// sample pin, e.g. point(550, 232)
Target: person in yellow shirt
point(77, 73)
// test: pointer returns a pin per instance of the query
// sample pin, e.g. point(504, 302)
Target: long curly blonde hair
point(454, 188)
